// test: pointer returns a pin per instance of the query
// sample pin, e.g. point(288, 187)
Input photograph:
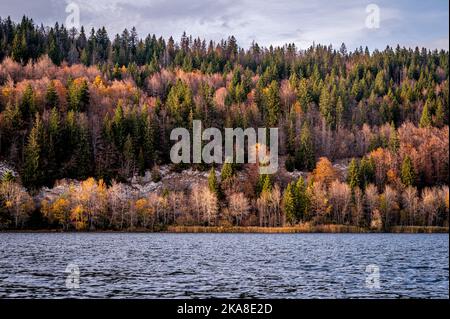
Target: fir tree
point(407, 172)
point(51, 96)
point(353, 174)
point(227, 172)
point(425, 119)
point(272, 104)
point(212, 182)
point(32, 175)
point(289, 204)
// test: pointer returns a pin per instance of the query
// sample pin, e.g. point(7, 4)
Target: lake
point(162, 265)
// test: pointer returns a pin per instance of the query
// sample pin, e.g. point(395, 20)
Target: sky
point(409, 23)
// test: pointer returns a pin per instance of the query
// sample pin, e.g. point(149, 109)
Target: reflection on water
point(120, 265)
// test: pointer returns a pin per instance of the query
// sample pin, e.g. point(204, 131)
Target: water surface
point(124, 265)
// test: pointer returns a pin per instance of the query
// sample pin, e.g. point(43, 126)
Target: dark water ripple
point(118, 265)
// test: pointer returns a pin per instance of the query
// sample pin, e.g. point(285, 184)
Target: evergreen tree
point(266, 184)
point(32, 174)
point(407, 172)
point(28, 104)
point(272, 104)
point(212, 182)
point(83, 155)
point(301, 199)
point(51, 96)
point(366, 172)
point(180, 102)
point(394, 141)
point(141, 162)
point(353, 174)
point(440, 118)
point(326, 106)
point(84, 96)
point(289, 204)
point(227, 171)
point(305, 157)
point(425, 119)
point(128, 154)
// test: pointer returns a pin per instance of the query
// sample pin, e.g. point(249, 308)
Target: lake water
point(123, 265)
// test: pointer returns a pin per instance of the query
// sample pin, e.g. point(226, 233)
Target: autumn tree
point(16, 201)
point(324, 171)
point(239, 207)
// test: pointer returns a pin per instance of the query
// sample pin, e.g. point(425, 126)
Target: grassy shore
point(302, 228)
point(419, 229)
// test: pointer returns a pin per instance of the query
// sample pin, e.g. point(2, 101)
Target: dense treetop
point(77, 104)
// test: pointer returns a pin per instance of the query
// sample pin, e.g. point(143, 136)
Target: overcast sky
point(408, 23)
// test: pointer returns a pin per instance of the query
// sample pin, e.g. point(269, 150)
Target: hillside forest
point(88, 113)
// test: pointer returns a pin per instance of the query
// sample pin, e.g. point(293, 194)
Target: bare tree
point(320, 206)
point(210, 205)
point(410, 202)
point(17, 201)
point(388, 205)
point(196, 202)
point(238, 206)
point(275, 206)
point(340, 197)
point(371, 200)
point(430, 205)
point(263, 205)
point(118, 199)
point(358, 209)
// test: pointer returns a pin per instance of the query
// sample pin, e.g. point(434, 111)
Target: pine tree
point(28, 104)
point(380, 84)
point(394, 141)
point(301, 199)
point(128, 154)
point(84, 96)
point(440, 118)
point(32, 175)
point(366, 172)
point(272, 104)
point(141, 162)
point(51, 96)
point(180, 102)
point(289, 204)
point(326, 106)
point(83, 155)
point(53, 50)
point(227, 171)
point(118, 127)
point(340, 112)
point(53, 145)
point(305, 156)
point(353, 174)
point(304, 95)
point(19, 47)
point(266, 184)
point(425, 119)
point(84, 57)
point(408, 175)
point(212, 182)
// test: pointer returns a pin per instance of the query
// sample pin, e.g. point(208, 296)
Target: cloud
point(269, 22)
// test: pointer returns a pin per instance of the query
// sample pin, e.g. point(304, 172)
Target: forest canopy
point(80, 105)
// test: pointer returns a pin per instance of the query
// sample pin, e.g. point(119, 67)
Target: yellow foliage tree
point(79, 218)
point(324, 172)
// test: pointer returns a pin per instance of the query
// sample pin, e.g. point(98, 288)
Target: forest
point(87, 113)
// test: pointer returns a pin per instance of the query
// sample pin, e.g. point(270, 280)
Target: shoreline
point(297, 229)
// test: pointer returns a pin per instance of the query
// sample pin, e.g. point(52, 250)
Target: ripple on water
point(224, 265)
